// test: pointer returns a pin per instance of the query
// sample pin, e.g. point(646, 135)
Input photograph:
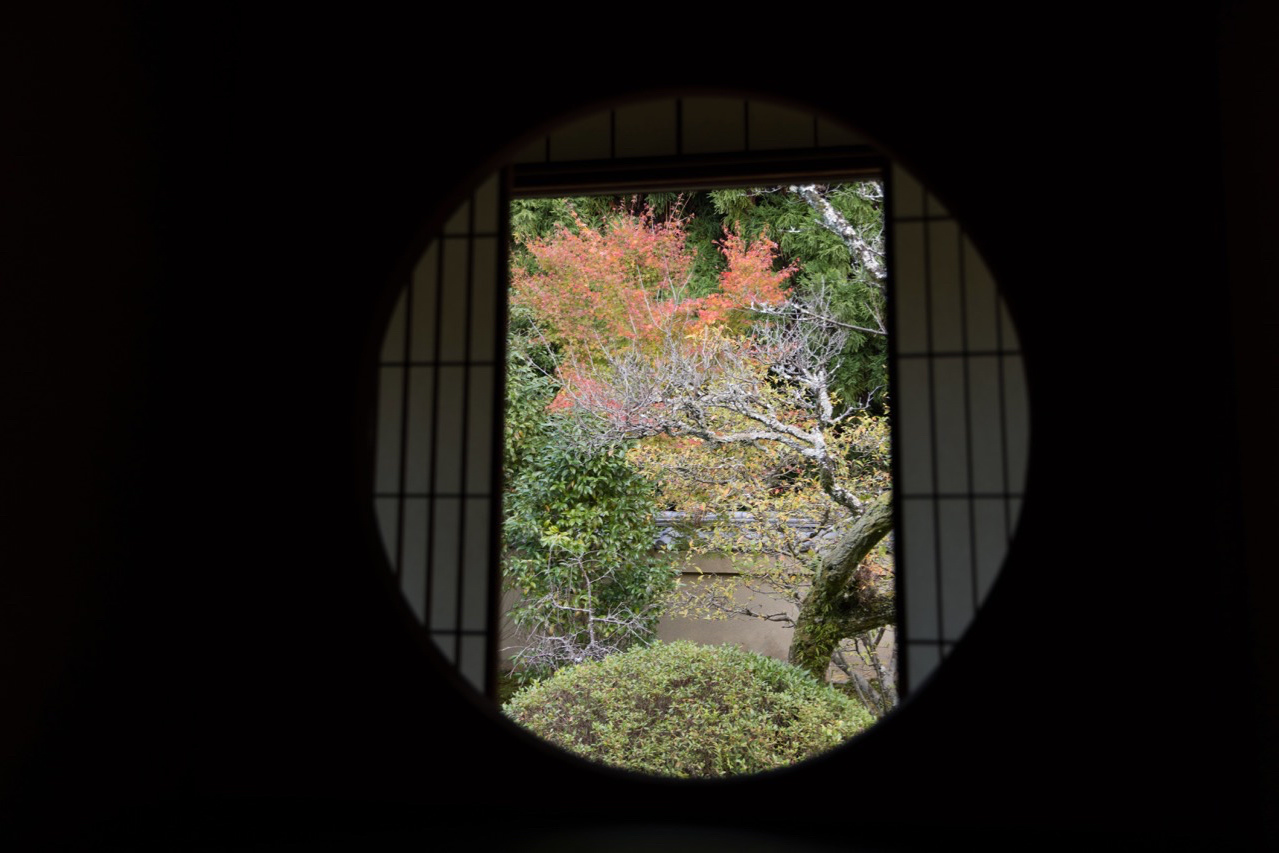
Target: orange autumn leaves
point(628, 286)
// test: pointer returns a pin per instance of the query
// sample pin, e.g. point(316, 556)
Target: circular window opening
point(712, 563)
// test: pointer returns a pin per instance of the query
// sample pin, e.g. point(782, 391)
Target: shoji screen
point(439, 432)
point(960, 434)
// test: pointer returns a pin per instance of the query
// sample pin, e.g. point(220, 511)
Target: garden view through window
point(697, 533)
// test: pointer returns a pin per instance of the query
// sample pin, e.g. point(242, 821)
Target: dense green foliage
point(826, 264)
point(679, 709)
point(530, 387)
point(579, 537)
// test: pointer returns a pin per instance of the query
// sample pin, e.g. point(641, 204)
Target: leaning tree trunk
point(846, 597)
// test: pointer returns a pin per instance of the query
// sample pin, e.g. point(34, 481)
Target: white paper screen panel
point(961, 432)
point(438, 414)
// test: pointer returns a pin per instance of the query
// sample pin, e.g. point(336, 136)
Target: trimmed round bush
point(680, 709)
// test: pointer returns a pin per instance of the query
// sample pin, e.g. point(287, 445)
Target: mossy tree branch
point(847, 598)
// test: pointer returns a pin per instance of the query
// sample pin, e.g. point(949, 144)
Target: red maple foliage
point(627, 285)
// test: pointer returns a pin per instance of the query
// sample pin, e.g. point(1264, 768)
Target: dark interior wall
point(203, 217)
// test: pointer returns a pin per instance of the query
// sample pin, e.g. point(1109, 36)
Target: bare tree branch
point(591, 634)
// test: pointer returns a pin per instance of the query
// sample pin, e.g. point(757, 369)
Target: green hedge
point(680, 709)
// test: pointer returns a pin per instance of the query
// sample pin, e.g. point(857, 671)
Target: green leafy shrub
point(579, 551)
point(681, 709)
